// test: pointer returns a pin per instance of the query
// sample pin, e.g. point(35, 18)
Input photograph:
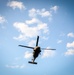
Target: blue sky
point(20, 23)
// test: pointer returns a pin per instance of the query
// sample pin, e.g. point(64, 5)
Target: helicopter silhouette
point(36, 51)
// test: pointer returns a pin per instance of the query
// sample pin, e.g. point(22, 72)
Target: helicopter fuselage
point(36, 52)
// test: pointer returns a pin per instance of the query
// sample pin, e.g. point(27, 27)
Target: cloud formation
point(70, 50)
point(54, 8)
point(32, 43)
point(48, 53)
point(70, 45)
point(2, 20)
point(42, 12)
point(32, 21)
point(30, 31)
point(34, 26)
point(70, 34)
point(37, 12)
point(16, 4)
point(16, 66)
point(59, 41)
point(27, 55)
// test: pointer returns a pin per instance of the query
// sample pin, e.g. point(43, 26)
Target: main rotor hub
point(37, 48)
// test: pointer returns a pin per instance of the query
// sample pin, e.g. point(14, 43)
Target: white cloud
point(27, 55)
point(32, 21)
point(32, 12)
point(69, 52)
point(45, 38)
point(25, 30)
point(48, 53)
point(15, 66)
point(30, 31)
point(33, 27)
point(16, 4)
point(2, 19)
point(54, 8)
point(59, 41)
point(43, 13)
point(43, 26)
point(21, 37)
point(32, 43)
point(70, 34)
point(70, 45)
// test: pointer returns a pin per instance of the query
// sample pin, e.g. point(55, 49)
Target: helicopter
point(36, 51)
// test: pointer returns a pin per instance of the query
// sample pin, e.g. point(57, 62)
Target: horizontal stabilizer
point(32, 62)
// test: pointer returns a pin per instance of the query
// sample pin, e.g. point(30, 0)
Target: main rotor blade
point(37, 40)
point(26, 46)
point(47, 49)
